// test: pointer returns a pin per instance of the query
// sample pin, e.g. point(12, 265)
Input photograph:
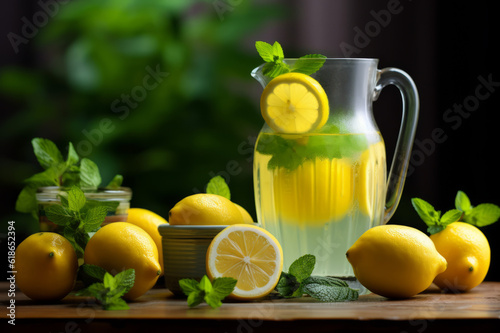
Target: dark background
point(84, 55)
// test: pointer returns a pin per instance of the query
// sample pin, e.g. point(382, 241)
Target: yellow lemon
point(205, 209)
point(249, 254)
point(121, 245)
point(467, 252)
point(148, 221)
point(46, 265)
point(247, 218)
point(294, 103)
point(395, 261)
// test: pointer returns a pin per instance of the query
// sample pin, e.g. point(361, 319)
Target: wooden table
point(476, 311)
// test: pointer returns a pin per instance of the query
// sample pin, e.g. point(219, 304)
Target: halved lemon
point(294, 103)
point(248, 254)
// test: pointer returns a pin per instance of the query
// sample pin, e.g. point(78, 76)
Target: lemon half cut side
point(294, 103)
point(248, 254)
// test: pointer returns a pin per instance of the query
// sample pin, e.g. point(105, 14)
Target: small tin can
point(184, 252)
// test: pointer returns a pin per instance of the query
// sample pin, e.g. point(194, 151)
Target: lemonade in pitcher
point(320, 204)
point(320, 174)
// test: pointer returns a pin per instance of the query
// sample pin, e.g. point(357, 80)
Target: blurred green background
point(160, 90)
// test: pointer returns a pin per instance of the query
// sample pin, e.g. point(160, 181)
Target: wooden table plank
point(478, 307)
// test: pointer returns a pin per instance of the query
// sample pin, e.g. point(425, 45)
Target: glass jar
point(50, 196)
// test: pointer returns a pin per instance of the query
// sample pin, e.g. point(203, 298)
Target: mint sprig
point(78, 217)
point(479, 216)
point(298, 281)
point(217, 185)
point(58, 172)
point(211, 292)
point(110, 289)
point(273, 56)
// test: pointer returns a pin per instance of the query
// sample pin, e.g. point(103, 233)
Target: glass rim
point(50, 189)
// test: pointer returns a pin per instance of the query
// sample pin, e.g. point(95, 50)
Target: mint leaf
point(223, 286)
point(188, 286)
point(217, 185)
point(116, 304)
point(426, 211)
point(109, 281)
point(125, 280)
point(116, 182)
point(195, 298)
point(73, 157)
point(265, 50)
point(89, 174)
point(462, 202)
point(483, 215)
point(273, 69)
point(303, 267)
point(46, 152)
point(213, 300)
point(94, 217)
point(205, 284)
point(76, 199)
point(326, 281)
point(309, 64)
point(26, 200)
point(329, 293)
point(58, 215)
point(287, 285)
point(49, 177)
point(90, 274)
point(450, 217)
point(278, 54)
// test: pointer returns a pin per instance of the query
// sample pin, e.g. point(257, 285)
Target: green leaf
point(76, 199)
point(327, 293)
point(462, 202)
point(125, 279)
point(195, 298)
point(116, 182)
point(89, 174)
point(94, 290)
point(309, 64)
point(326, 281)
point(117, 304)
point(205, 284)
point(303, 267)
point(58, 215)
point(483, 215)
point(426, 211)
point(109, 281)
point(223, 286)
point(450, 216)
point(90, 274)
point(26, 200)
point(273, 70)
point(94, 217)
point(188, 286)
point(265, 50)
point(213, 300)
point(287, 285)
point(46, 152)
point(217, 185)
point(73, 157)
point(278, 54)
point(434, 229)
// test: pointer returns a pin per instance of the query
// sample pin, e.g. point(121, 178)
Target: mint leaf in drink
point(211, 292)
point(46, 152)
point(89, 174)
point(273, 55)
point(217, 185)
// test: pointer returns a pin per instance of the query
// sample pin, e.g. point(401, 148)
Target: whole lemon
point(46, 265)
point(467, 252)
point(395, 261)
point(205, 209)
point(148, 221)
point(121, 245)
point(247, 218)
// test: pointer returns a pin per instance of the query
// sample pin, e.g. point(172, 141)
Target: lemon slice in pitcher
point(294, 103)
point(248, 254)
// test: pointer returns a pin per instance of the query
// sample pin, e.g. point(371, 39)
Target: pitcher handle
point(402, 153)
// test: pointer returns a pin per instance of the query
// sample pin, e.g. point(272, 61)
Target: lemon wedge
point(248, 254)
point(294, 103)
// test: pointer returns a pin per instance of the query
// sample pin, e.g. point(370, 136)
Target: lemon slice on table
point(248, 254)
point(294, 103)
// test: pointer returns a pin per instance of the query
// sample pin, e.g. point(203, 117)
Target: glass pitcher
point(318, 192)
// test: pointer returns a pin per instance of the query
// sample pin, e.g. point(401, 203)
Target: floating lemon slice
point(249, 254)
point(294, 103)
